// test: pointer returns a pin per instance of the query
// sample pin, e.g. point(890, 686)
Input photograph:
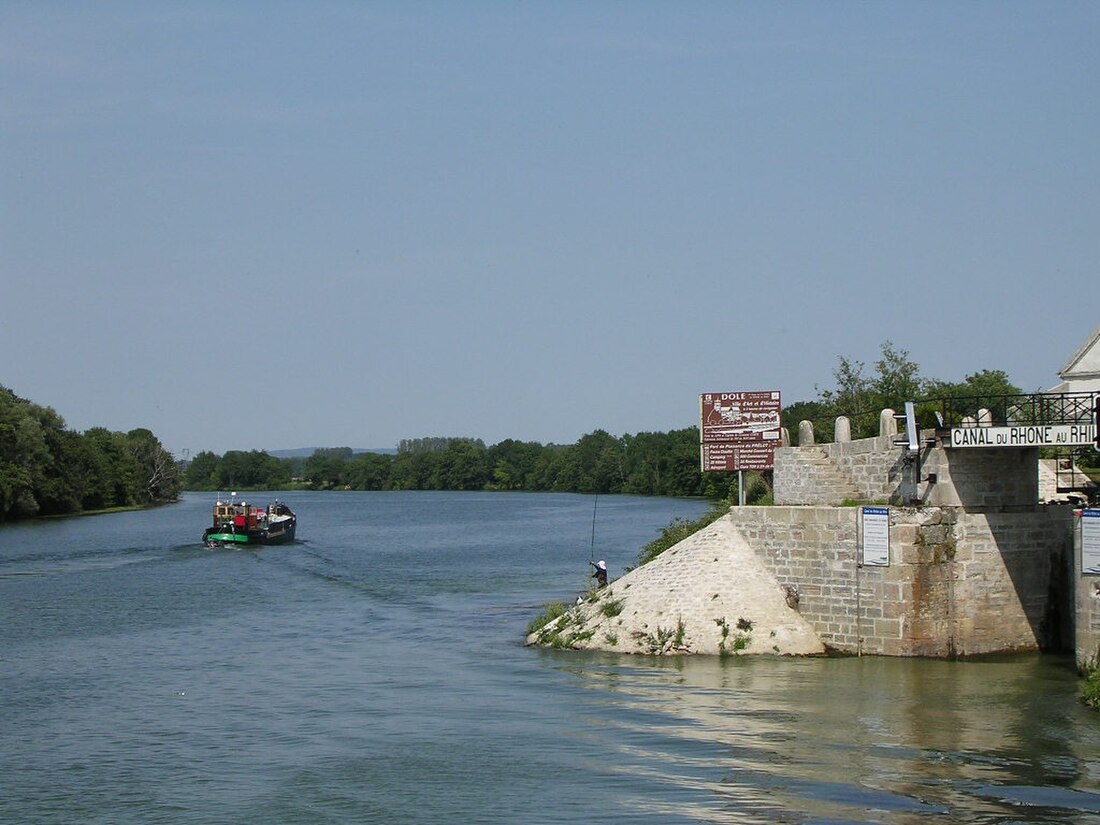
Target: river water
point(374, 672)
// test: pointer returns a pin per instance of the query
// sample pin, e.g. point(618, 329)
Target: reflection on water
point(852, 740)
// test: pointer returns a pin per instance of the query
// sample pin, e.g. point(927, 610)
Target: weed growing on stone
point(611, 608)
point(552, 611)
point(740, 640)
point(663, 640)
point(1090, 687)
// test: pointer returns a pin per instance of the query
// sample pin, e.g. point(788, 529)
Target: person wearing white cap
point(601, 572)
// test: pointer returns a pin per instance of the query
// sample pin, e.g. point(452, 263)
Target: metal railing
point(1007, 410)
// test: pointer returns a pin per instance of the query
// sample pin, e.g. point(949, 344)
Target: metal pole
point(741, 488)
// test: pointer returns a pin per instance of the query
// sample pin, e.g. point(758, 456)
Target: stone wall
point(874, 466)
point(870, 469)
point(958, 583)
point(981, 477)
point(878, 470)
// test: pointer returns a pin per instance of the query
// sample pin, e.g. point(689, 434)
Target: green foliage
point(611, 608)
point(740, 640)
point(645, 464)
point(648, 463)
point(984, 384)
point(679, 529)
point(757, 490)
point(663, 639)
point(46, 469)
point(238, 470)
point(861, 396)
point(557, 628)
point(551, 612)
point(1090, 685)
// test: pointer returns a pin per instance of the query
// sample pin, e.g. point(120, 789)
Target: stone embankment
point(709, 594)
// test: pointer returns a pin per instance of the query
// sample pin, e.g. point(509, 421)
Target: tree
point(370, 471)
point(861, 398)
point(327, 468)
point(897, 378)
point(463, 466)
point(157, 471)
point(118, 483)
point(983, 384)
point(47, 469)
point(202, 472)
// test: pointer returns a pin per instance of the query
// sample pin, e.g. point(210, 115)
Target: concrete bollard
point(887, 423)
point(842, 432)
point(805, 433)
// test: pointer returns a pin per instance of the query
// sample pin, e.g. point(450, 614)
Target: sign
point(739, 430)
point(874, 545)
point(739, 416)
point(1025, 435)
point(1090, 542)
point(729, 457)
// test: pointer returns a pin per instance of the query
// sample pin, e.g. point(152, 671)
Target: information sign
point(730, 457)
point(874, 547)
point(1090, 542)
point(739, 430)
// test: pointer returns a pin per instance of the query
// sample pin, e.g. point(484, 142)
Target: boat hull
point(283, 536)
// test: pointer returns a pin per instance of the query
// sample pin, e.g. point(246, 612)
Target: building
point(1081, 372)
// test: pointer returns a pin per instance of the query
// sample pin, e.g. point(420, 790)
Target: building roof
point(1085, 363)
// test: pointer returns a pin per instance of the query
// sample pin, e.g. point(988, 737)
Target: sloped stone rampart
point(708, 594)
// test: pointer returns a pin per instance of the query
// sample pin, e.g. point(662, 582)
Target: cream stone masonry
point(958, 584)
point(710, 593)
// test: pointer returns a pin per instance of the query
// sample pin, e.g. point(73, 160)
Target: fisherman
point(600, 575)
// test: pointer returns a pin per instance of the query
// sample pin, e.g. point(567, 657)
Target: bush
point(552, 611)
point(1090, 687)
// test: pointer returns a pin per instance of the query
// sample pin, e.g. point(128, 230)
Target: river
point(374, 672)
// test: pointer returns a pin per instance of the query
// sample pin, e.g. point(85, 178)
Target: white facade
point(1081, 372)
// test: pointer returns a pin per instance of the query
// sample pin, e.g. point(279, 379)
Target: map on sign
point(739, 430)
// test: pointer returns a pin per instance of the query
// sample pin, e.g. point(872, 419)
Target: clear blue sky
point(274, 225)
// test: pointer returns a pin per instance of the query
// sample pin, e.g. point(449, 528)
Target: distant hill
point(306, 452)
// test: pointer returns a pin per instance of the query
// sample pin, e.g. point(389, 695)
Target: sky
point(249, 225)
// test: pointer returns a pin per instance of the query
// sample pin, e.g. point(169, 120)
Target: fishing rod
point(592, 549)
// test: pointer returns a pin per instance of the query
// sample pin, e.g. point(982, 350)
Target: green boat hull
point(229, 538)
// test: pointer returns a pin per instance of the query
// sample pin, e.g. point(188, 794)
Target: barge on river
point(238, 522)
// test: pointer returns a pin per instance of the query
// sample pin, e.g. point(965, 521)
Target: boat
point(238, 522)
